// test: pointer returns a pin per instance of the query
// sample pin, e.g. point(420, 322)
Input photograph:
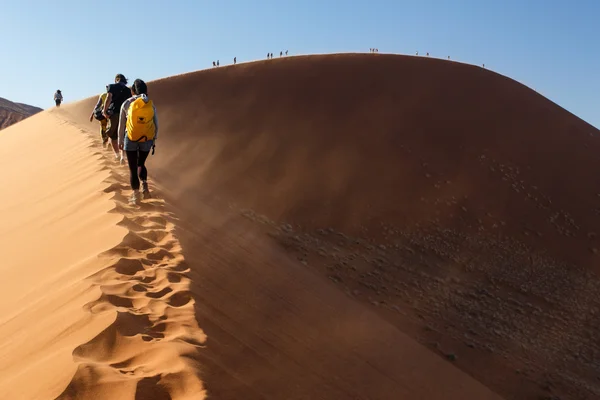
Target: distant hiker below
point(138, 131)
point(58, 98)
point(97, 114)
point(117, 93)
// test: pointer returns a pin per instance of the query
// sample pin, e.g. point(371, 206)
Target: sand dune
point(11, 113)
point(326, 227)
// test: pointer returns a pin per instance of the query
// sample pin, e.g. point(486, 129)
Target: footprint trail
point(145, 352)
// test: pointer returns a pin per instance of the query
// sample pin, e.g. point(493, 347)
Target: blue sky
point(79, 45)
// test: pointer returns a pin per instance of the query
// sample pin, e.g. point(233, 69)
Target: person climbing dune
point(97, 114)
point(137, 134)
point(58, 98)
point(117, 93)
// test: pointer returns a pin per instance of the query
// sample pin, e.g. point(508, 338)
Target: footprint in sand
point(160, 294)
point(180, 299)
point(129, 266)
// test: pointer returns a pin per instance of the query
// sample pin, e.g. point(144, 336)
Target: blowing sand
point(379, 240)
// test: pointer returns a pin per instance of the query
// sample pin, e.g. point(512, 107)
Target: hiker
point(117, 93)
point(286, 52)
point(97, 114)
point(138, 131)
point(58, 97)
point(214, 64)
point(217, 63)
point(234, 60)
point(281, 54)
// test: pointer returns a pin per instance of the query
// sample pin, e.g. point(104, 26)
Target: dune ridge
point(11, 112)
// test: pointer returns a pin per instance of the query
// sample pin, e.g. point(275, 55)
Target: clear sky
point(79, 45)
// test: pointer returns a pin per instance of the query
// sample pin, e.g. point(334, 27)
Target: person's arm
point(107, 103)
point(123, 122)
point(155, 123)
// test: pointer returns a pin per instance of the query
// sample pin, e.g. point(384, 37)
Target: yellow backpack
point(140, 121)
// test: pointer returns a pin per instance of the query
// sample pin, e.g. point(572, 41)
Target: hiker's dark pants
point(137, 168)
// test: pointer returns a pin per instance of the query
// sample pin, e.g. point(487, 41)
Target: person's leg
point(113, 132)
point(103, 127)
point(142, 171)
point(132, 161)
point(141, 163)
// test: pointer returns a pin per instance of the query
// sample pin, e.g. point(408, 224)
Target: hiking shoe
point(135, 197)
point(145, 190)
point(122, 160)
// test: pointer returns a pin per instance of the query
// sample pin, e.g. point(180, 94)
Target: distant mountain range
point(11, 112)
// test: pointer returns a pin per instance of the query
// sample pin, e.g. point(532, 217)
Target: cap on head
point(139, 87)
point(121, 78)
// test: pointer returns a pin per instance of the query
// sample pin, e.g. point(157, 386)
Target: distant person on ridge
point(217, 63)
point(58, 98)
point(281, 54)
point(286, 52)
point(117, 93)
point(234, 60)
point(214, 64)
point(97, 114)
point(138, 131)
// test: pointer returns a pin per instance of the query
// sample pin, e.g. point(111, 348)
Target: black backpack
point(119, 98)
point(98, 114)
